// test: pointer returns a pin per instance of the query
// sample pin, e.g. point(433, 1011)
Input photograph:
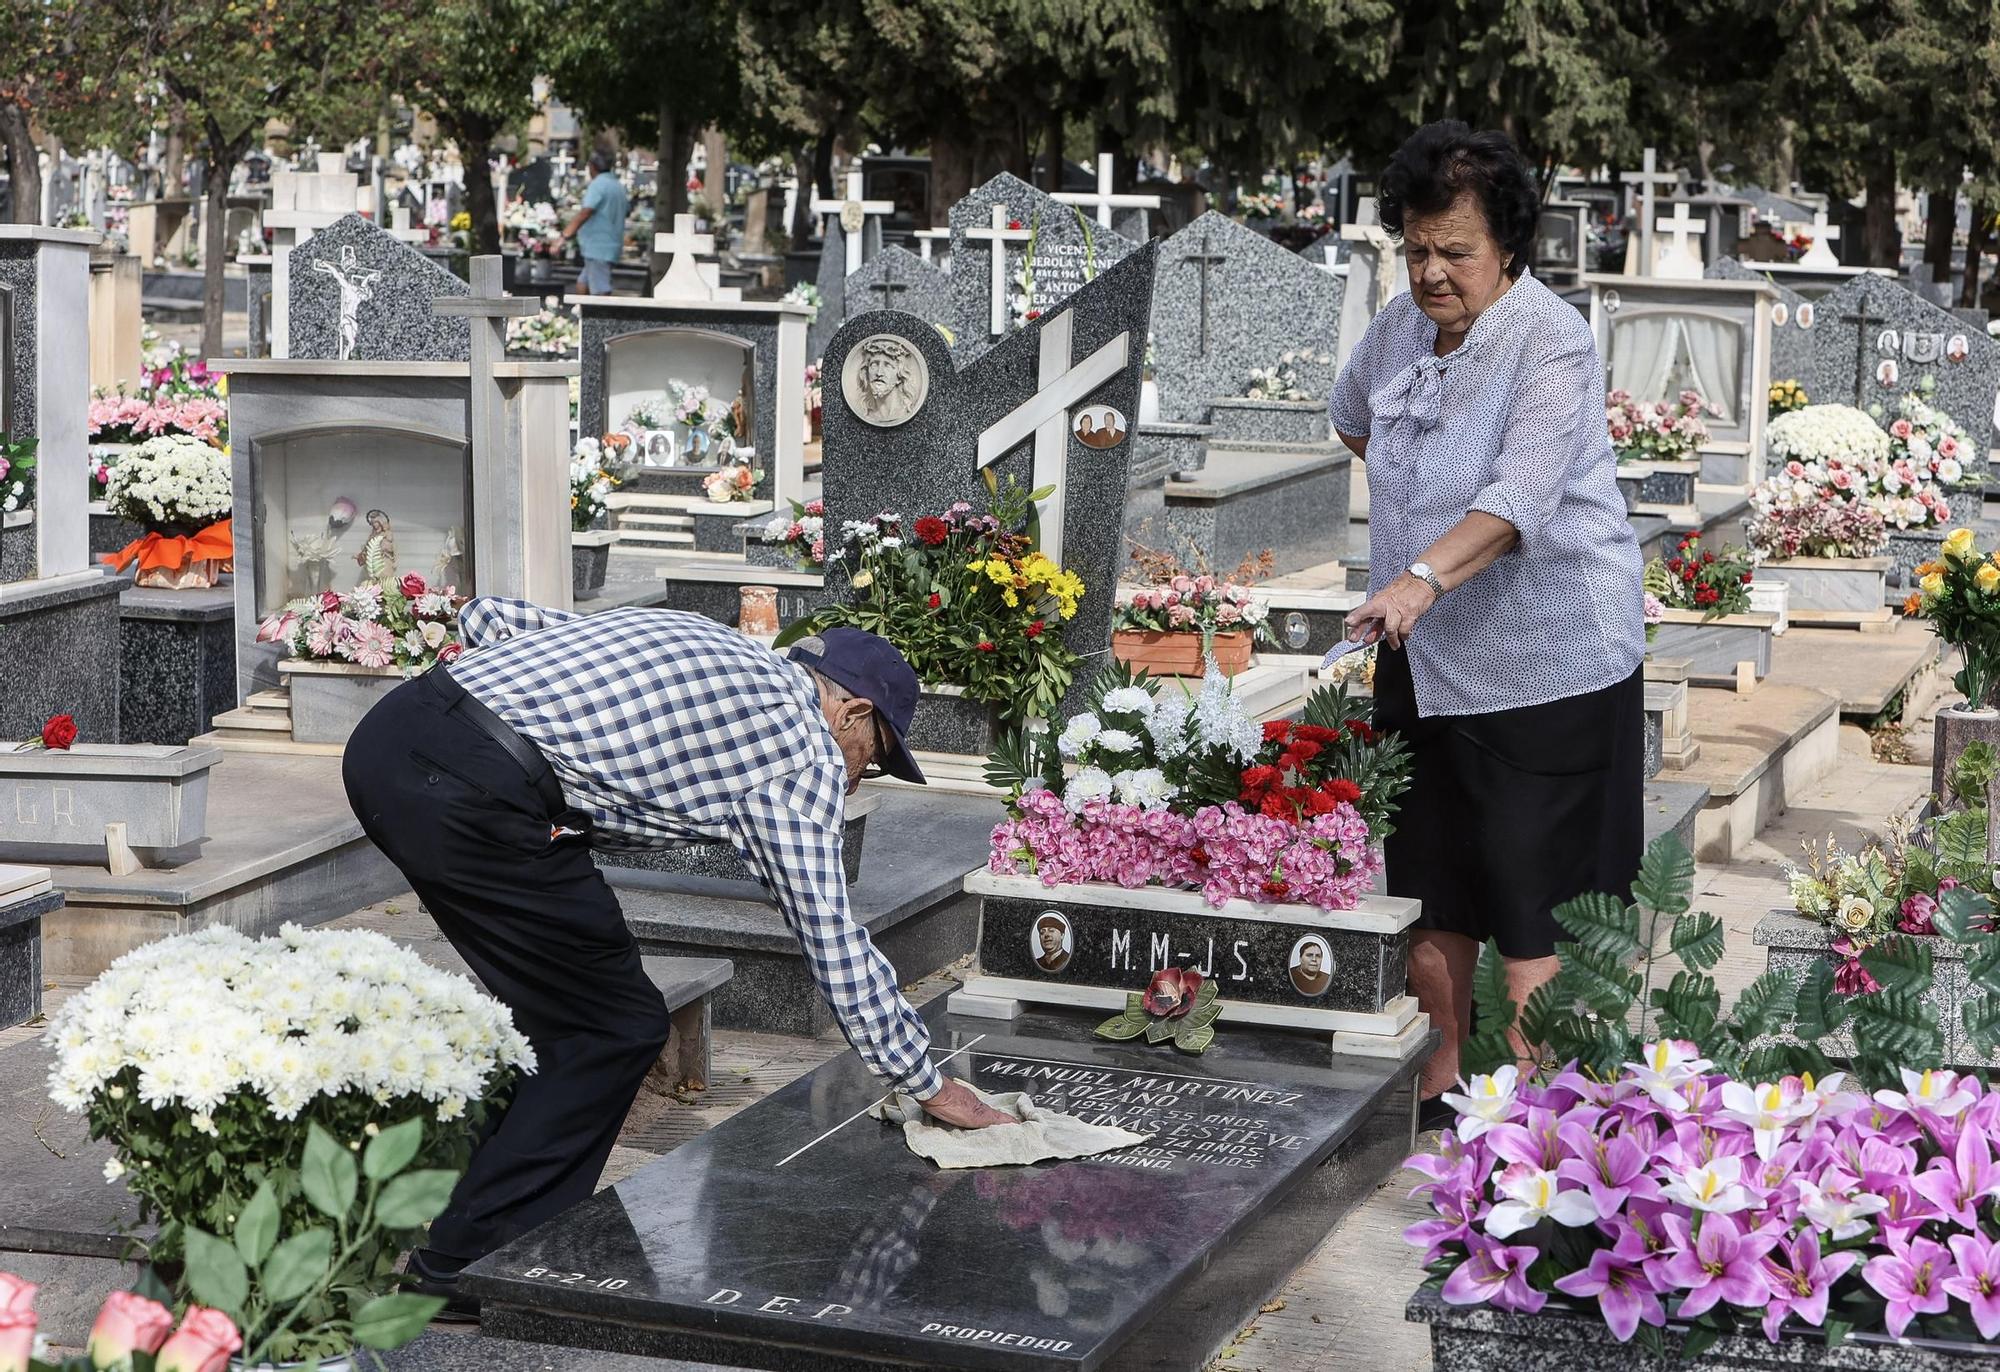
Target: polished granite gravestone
point(1791, 333)
point(1009, 411)
point(1229, 299)
point(802, 1235)
point(910, 897)
point(898, 279)
point(352, 278)
point(176, 662)
point(832, 284)
point(1875, 320)
point(1065, 250)
point(25, 896)
point(719, 860)
point(59, 655)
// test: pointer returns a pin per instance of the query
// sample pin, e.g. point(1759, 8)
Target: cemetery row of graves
point(1081, 472)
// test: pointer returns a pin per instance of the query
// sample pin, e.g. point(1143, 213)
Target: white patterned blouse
point(1510, 423)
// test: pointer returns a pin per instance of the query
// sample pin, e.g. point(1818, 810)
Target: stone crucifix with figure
point(854, 212)
point(906, 430)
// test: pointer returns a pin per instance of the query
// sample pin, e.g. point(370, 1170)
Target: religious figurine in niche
point(1957, 350)
point(739, 418)
point(884, 380)
point(449, 569)
point(1887, 373)
point(377, 557)
point(356, 286)
point(1312, 966)
point(1052, 944)
point(1100, 426)
point(312, 561)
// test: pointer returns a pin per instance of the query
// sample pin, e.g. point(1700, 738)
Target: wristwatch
point(1422, 572)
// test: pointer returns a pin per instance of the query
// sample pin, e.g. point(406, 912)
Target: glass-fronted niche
point(1658, 353)
point(336, 508)
point(684, 395)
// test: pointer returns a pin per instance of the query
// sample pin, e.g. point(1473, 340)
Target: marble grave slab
point(1051, 251)
point(803, 1235)
point(1228, 300)
point(357, 293)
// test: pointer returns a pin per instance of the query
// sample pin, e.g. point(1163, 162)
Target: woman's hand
point(1392, 614)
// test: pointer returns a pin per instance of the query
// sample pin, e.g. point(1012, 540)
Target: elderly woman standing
point(1504, 581)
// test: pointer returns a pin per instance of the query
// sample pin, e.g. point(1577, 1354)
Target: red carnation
point(1746, 578)
point(1674, 565)
point(1279, 805)
point(1275, 729)
point(1362, 730)
point(933, 530)
point(1343, 791)
point(1320, 802)
point(1315, 733)
point(59, 732)
point(936, 600)
point(1302, 751)
point(1707, 558)
point(1257, 778)
point(987, 646)
point(1034, 630)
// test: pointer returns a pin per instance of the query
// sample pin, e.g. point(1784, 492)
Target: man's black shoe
point(429, 1274)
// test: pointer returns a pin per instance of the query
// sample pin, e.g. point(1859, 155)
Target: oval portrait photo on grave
point(1806, 314)
point(1887, 373)
point(1781, 314)
point(1099, 426)
point(884, 380)
point(1957, 349)
point(1312, 966)
point(1050, 943)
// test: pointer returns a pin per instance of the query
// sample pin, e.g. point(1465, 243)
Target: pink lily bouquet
point(131, 1331)
point(1672, 1191)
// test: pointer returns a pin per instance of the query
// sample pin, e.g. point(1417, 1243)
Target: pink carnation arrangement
point(407, 625)
point(1672, 1191)
point(1653, 430)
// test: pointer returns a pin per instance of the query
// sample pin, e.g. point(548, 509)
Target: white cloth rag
point(1041, 1135)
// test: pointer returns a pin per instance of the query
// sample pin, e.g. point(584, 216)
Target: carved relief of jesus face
point(881, 375)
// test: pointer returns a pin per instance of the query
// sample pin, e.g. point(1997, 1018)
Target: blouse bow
point(1416, 393)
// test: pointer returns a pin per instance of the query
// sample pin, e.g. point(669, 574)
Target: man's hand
point(958, 1104)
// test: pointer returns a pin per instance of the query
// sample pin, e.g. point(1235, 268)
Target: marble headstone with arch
point(1009, 410)
point(1065, 251)
point(357, 294)
point(1874, 328)
point(898, 279)
point(1228, 300)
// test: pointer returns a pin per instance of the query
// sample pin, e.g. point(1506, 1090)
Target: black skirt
point(1510, 814)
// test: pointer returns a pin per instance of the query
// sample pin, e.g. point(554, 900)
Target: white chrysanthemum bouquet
point(206, 1059)
point(171, 484)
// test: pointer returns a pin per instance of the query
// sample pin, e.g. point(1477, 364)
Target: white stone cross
point(854, 213)
point(1680, 261)
point(562, 162)
point(997, 237)
point(1648, 177)
point(927, 240)
point(1102, 200)
point(683, 279)
point(1061, 384)
point(1820, 254)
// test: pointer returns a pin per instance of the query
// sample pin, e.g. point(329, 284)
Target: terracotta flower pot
point(1180, 654)
point(758, 615)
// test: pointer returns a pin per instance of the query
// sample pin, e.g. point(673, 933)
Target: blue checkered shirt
point(665, 726)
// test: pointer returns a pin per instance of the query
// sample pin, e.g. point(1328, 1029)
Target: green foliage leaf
point(1160, 1030)
point(1488, 1048)
point(1602, 923)
point(1204, 1015)
point(297, 1265)
point(1899, 963)
point(1195, 1040)
point(1604, 984)
point(1961, 843)
point(1818, 1010)
point(1689, 1006)
point(415, 1198)
point(1891, 1029)
point(1125, 1026)
point(1961, 913)
point(1763, 1007)
point(1697, 940)
point(1981, 1015)
point(392, 1321)
point(1206, 995)
point(1665, 883)
point(390, 1151)
point(215, 1274)
point(257, 1226)
point(328, 1175)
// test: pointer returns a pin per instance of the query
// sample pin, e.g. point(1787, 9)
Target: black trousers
point(536, 922)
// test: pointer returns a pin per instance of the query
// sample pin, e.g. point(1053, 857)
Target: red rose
point(1276, 729)
point(1674, 565)
point(987, 646)
point(1707, 558)
point(1171, 992)
point(1342, 791)
point(412, 586)
point(1034, 630)
point(1013, 223)
point(936, 600)
point(59, 732)
point(1033, 315)
point(450, 652)
point(933, 530)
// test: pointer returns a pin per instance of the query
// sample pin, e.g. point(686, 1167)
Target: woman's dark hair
point(1442, 161)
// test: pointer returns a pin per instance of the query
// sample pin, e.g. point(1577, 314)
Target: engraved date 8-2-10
point(562, 1278)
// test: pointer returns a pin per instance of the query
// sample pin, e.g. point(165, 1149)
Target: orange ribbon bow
point(164, 551)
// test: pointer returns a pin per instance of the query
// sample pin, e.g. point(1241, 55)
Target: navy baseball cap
point(869, 666)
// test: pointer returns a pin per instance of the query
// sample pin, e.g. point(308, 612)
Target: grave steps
point(1759, 754)
point(263, 724)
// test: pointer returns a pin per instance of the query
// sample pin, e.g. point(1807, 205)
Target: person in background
point(599, 227)
point(1503, 586)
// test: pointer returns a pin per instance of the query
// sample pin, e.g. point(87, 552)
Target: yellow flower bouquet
point(1959, 594)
